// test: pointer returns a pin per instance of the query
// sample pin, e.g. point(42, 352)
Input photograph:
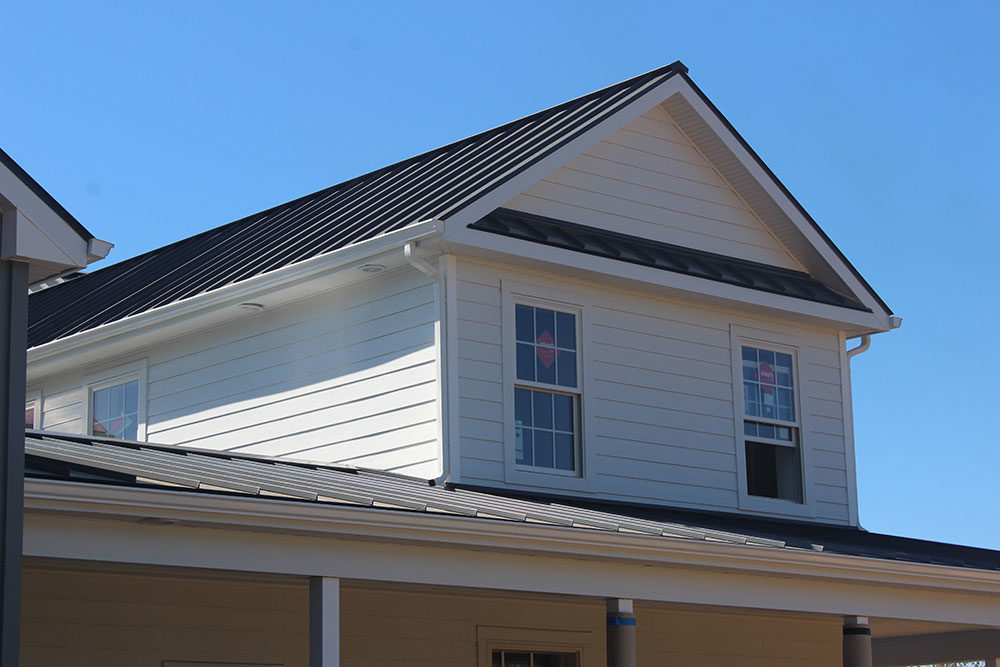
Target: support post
point(324, 622)
point(13, 340)
point(621, 633)
point(992, 662)
point(857, 642)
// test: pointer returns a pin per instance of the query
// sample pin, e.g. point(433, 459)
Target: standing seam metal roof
point(435, 184)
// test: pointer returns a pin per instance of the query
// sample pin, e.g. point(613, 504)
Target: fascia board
point(498, 196)
point(779, 194)
point(47, 358)
point(265, 515)
point(525, 254)
point(31, 211)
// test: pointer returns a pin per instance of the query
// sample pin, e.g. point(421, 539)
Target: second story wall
point(660, 407)
point(348, 376)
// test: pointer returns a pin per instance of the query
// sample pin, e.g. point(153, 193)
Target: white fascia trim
point(257, 285)
point(291, 517)
point(822, 246)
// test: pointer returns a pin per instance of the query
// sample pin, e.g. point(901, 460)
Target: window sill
point(775, 506)
point(553, 480)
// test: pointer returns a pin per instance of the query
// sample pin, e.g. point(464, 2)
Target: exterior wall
point(349, 376)
point(649, 180)
point(660, 424)
point(100, 617)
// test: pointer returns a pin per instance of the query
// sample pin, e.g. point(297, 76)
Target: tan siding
point(648, 180)
point(94, 619)
point(709, 639)
point(659, 398)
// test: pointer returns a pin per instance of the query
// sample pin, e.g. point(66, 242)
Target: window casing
point(771, 454)
point(545, 404)
point(115, 403)
point(524, 647)
point(33, 410)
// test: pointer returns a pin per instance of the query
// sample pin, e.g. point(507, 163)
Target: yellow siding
point(100, 618)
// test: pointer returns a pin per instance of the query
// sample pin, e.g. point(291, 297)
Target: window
point(546, 388)
point(770, 424)
point(115, 406)
point(32, 410)
point(535, 659)
point(534, 647)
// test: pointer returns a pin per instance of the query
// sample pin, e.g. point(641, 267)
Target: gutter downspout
point(866, 342)
point(442, 342)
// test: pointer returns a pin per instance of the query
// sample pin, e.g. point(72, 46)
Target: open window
point(770, 451)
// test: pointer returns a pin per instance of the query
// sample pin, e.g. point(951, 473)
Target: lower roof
point(89, 459)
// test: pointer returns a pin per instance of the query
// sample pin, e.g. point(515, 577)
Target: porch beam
point(324, 622)
point(938, 647)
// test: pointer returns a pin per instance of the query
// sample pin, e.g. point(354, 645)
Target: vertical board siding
point(648, 180)
point(660, 395)
point(349, 376)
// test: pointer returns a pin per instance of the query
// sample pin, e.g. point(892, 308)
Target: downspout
point(435, 275)
point(866, 342)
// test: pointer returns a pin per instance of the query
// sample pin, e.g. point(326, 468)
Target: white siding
point(660, 395)
point(349, 376)
point(648, 180)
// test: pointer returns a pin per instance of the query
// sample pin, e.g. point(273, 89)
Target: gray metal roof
point(105, 460)
point(436, 184)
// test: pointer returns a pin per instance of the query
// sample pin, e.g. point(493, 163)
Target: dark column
point(857, 642)
point(13, 336)
point(621, 633)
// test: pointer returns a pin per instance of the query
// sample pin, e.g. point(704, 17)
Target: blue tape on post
point(621, 620)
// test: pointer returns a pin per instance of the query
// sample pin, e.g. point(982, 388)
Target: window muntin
point(114, 410)
point(770, 425)
point(546, 391)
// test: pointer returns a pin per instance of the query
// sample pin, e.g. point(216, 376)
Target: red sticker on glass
point(765, 375)
point(546, 355)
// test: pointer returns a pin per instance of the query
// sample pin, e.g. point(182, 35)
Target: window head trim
point(495, 638)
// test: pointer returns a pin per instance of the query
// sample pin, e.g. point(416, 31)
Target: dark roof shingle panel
point(665, 256)
point(436, 184)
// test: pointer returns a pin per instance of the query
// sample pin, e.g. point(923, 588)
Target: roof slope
point(436, 184)
point(44, 195)
point(107, 461)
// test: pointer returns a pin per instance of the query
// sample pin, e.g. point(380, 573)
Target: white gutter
point(159, 317)
point(444, 436)
point(866, 342)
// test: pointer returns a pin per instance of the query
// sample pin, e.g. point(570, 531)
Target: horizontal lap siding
point(710, 639)
point(349, 377)
point(96, 619)
point(660, 394)
point(647, 180)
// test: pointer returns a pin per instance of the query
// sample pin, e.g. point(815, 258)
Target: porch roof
point(89, 459)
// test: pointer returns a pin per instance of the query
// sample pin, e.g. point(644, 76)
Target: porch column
point(324, 622)
point(857, 642)
point(992, 662)
point(621, 633)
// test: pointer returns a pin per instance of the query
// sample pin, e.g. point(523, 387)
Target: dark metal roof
point(835, 539)
point(107, 461)
point(43, 194)
point(436, 184)
point(665, 256)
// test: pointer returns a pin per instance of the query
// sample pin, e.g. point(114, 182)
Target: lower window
point(535, 659)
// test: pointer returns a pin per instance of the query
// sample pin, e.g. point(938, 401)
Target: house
point(606, 333)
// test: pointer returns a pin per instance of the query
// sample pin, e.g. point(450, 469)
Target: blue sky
point(152, 121)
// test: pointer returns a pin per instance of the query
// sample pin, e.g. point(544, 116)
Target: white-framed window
point(115, 404)
point(523, 647)
point(544, 392)
point(770, 450)
point(33, 409)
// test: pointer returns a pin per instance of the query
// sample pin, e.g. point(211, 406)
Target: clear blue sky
point(153, 120)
